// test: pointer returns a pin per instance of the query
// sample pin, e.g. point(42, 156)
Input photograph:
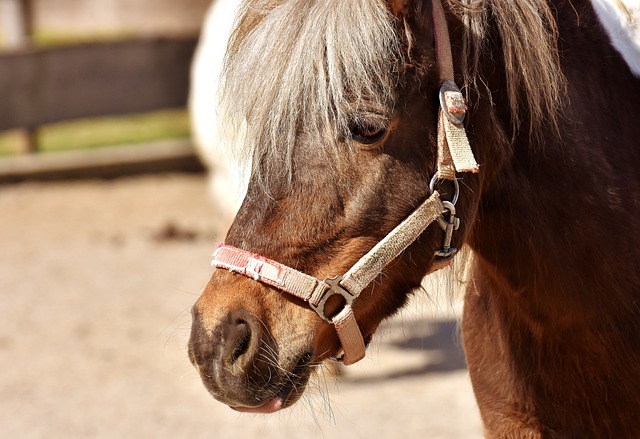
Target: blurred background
point(107, 221)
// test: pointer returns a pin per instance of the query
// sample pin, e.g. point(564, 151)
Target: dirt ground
point(96, 282)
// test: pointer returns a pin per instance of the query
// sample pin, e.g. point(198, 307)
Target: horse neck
point(555, 226)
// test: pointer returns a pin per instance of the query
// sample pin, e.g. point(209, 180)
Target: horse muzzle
point(240, 362)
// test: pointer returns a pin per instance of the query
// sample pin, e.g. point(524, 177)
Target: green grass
point(48, 38)
point(104, 131)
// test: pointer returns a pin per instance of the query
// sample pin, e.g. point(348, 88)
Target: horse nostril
point(243, 337)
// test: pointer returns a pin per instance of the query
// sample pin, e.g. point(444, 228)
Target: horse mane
point(326, 70)
point(528, 35)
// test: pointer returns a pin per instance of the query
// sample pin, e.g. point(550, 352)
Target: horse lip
point(294, 387)
point(281, 401)
point(288, 393)
point(271, 406)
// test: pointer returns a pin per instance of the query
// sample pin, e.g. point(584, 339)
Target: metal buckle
point(448, 227)
point(450, 224)
point(452, 102)
point(334, 289)
point(456, 187)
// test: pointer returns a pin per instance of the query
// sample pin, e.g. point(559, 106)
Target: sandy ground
point(96, 282)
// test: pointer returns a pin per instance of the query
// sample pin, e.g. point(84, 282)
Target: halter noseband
point(454, 155)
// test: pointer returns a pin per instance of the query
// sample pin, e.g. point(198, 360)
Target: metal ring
point(456, 187)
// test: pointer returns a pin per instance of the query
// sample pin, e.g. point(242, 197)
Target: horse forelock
point(306, 67)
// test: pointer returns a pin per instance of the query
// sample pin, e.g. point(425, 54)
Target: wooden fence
point(40, 86)
point(43, 85)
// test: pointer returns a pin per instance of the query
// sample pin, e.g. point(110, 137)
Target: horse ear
point(398, 7)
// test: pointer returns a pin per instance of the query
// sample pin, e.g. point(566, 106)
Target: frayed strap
point(270, 272)
point(299, 284)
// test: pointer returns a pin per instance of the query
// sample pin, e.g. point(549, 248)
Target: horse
point(383, 136)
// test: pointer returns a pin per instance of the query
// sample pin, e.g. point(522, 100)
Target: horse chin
point(287, 394)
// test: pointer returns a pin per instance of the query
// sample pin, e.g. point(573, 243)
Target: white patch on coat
point(621, 20)
point(226, 177)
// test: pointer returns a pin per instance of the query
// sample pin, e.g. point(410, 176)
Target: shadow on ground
point(439, 342)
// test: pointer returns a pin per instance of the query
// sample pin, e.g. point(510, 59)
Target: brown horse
point(338, 104)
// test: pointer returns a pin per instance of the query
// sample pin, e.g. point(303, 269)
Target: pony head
point(338, 105)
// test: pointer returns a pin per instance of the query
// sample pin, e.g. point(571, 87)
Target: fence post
point(17, 22)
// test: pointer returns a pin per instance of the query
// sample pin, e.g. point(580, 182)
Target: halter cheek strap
point(454, 155)
point(454, 151)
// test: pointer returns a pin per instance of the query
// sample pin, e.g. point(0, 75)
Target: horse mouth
point(289, 393)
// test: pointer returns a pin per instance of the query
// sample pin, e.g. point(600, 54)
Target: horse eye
point(367, 133)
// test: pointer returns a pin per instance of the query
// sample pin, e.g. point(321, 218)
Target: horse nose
point(240, 344)
point(230, 344)
point(228, 350)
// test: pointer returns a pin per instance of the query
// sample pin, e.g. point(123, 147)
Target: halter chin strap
point(454, 154)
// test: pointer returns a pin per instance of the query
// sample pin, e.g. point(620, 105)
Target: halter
point(454, 155)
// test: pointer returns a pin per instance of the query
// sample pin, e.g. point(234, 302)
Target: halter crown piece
point(454, 155)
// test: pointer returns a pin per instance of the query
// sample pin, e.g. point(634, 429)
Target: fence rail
point(47, 85)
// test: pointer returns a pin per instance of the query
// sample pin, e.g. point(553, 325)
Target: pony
point(370, 168)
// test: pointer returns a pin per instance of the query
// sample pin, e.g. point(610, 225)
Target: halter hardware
point(448, 227)
point(452, 102)
point(447, 221)
point(335, 289)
